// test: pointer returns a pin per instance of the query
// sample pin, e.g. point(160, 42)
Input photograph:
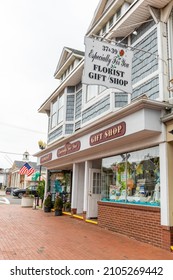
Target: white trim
point(75, 186)
point(163, 65)
point(164, 190)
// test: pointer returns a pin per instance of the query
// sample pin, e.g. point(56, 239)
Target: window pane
point(101, 89)
point(54, 114)
point(54, 107)
point(61, 101)
point(91, 92)
point(132, 177)
point(60, 115)
point(54, 120)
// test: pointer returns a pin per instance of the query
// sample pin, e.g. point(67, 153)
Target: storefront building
point(114, 146)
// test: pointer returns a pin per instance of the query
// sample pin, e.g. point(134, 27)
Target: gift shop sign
point(69, 148)
point(108, 134)
point(107, 65)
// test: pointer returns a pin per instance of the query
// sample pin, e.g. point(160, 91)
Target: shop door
point(94, 192)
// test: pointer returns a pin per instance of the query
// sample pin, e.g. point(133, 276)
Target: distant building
point(23, 181)
point(5, 178)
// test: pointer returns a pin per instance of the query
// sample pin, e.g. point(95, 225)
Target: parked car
point(20, 192)
point(9, 190)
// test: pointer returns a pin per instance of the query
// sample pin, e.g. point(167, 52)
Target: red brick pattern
point(139, 222)
point(27, 234)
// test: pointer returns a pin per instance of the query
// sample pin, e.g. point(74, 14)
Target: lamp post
point(42, 146)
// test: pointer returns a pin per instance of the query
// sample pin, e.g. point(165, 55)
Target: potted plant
point(40, 190)
point(67, 206)
point(48, 202)
point(58, 205)
point(27, 199)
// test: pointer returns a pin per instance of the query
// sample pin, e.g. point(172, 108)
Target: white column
point(46, 183)
point(25, 177)
point(18, 180)
point(164, 187)
point(163, 61)
point(88, 165)
point(74, 186)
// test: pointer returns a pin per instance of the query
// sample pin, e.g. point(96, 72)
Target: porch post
point(88, 165)
point(74, 188)
point(164, 188)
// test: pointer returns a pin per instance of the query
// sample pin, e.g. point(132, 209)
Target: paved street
point(27, 234)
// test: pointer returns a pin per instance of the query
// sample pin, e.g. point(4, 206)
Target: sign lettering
point(108, 134)
point(69, 148)
point(107, 65)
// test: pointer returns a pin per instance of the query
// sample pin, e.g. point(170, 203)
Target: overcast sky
point(32, 36)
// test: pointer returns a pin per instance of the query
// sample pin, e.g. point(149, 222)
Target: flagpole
point(24, 181)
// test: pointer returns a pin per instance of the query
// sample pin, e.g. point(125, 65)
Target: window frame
point(132, 177)
point(57, 111)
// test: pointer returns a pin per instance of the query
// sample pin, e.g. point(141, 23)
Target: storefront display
point(60, 182)
point(132, 178)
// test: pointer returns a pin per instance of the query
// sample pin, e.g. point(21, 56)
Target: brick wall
point(139, 222)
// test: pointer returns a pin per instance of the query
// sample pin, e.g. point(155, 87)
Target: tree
point(40, 190)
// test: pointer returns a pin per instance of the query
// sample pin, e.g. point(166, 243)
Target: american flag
point(26, 169)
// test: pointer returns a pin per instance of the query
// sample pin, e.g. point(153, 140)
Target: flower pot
point(58, 212)
point(27, 201)
point(47, 209)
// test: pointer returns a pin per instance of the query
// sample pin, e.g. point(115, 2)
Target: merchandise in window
point(132, 178)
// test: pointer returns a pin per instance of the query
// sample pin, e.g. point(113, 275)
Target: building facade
point(116, 146)
point(22, 181)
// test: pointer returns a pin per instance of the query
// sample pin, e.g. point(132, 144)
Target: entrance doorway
point(94, 192)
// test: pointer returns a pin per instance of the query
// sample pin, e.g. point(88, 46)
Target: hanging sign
point(107, 65)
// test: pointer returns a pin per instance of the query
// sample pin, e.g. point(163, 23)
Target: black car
point(20, 192)
point(9, 190)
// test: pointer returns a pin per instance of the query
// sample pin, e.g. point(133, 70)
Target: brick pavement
point(27, 234)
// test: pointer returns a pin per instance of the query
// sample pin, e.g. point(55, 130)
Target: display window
point(132, 177)
point(60, 182)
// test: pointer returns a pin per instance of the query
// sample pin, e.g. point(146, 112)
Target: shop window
point(60, 182)
point(132, 178)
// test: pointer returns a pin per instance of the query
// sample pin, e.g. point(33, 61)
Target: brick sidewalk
point(27, 234)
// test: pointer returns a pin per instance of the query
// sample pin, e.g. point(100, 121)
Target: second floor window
point(93, 91)
point(60, 108)
point(57, 110)
point(54, 114)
